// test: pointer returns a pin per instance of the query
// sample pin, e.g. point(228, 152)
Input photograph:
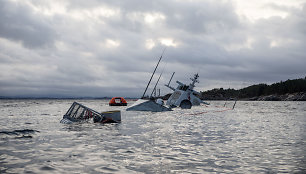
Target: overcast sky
point(110, 48)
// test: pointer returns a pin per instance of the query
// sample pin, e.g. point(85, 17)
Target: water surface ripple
point(256, 137)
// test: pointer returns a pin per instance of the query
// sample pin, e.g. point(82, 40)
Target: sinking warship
point(183, 96)
point(148, 105)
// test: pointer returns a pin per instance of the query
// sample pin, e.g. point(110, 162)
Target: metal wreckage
point(80, 113)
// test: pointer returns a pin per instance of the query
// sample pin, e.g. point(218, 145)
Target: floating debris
point(78, 112)
point(109, 117)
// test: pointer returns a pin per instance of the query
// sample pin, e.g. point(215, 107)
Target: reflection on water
point(256, 137)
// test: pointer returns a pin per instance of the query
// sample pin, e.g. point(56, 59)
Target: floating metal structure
point(78, 112)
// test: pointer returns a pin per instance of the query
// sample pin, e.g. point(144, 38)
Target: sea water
point(255, 137)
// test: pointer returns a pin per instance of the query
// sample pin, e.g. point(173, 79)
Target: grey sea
point(255, 137)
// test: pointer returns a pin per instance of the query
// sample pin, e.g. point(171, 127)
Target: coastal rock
point(300, 96)
point(269, 98)
point(291, 97)
point(303, 98)
point(254, 98)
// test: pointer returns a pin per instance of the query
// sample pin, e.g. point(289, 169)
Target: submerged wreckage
point(148, 105)
point(78, 112)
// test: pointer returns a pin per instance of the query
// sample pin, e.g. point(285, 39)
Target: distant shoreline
point(289, 90)
point(301, 96)
point(275, 97)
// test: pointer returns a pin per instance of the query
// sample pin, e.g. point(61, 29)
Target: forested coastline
point(292, 90)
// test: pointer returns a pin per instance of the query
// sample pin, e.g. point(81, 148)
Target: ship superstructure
point(184, 96)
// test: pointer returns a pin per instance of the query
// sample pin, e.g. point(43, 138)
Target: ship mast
point(194, 80)
point(153, 73)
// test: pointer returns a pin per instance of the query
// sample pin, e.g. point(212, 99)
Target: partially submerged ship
point(78, 113)
point(148, 105)
point(184, 96)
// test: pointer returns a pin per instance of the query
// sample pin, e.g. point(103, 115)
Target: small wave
point(19, 132)
point(48, 168)
point(23, 136)
point(109, 169)
point(10, 105)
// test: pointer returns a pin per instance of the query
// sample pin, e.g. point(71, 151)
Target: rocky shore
point(300, 96)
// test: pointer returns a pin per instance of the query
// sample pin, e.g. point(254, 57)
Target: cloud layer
point(109, 48)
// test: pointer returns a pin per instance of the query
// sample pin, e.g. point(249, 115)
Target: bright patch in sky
point(150, 43)
point(112, 43)
point(94, 13)
point(56, 7)
point(151, 18)
point(256, 9)
point(282, 42)
point(167, 42)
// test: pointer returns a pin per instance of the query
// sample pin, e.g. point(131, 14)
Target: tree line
point(280, 88)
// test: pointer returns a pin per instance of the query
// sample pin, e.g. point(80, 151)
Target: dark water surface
point(256, 137)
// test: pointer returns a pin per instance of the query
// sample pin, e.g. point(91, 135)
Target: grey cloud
point(202, 17)
point(212, 40)
point(18, 22)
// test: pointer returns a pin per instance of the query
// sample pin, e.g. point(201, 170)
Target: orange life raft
point(117, 101)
